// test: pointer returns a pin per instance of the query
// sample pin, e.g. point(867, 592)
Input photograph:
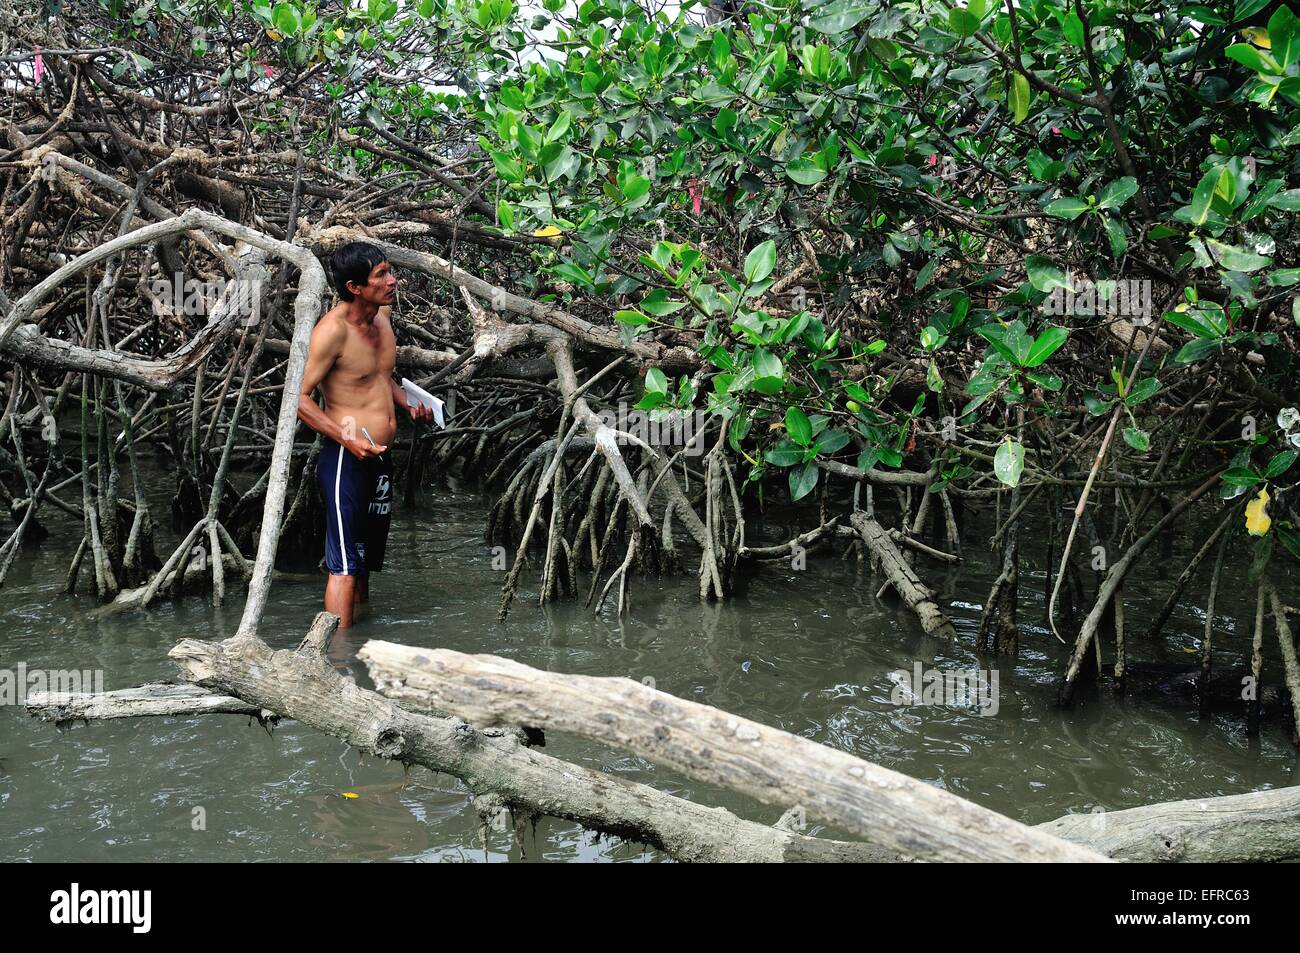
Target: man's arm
point(327, 340)
point(418, 411)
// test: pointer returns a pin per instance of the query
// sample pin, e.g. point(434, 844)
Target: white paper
point(417, 396)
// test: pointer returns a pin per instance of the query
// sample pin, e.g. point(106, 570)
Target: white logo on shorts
point(381, 505)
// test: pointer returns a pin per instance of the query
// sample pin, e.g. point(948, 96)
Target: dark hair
point(354, 262)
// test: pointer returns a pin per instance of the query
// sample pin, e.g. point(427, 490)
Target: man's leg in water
point(340, 594)
point(345, 485)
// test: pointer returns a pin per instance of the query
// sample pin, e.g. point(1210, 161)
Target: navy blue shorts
point(358, 508)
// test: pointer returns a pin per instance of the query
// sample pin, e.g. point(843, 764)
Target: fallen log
point(160, 700)
point(890, 809)
point(1260, 826)
point(301, 685)
point(902, 577)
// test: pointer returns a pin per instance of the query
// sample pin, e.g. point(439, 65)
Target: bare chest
point(367, 354)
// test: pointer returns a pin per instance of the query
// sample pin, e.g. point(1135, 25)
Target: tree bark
point(890, 809)
point(902, 577)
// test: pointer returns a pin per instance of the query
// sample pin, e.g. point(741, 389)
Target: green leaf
point(803, 480)
point(1045, 275)
point(286, 19)
point(739, 429)
point(505, 214)
point(886, 455)
point(1117, 193)
point(760, 262)
point(1011, 341)
point(1137, 439)
point(1045, 345)
point(1284, 37)
point(1018, 98)
point(840, 16)
point(769, 373)
point(932, 337)
point(1241, 476)
point(1072, 27)
point(933, 379)
point(1288, 201)
point(963, 22)
point(1290, 538)
point(659, 304)
point(1095, 405)
point(1237, 259)
point(798, 426)
point(1280, 464)
point(926, 274)
point(559, 127)
point(636, 187)
point(1009, 462)
point(1195, 350)
point(831, 441)
point(655, 381)
point(786, 453)
point(1204, 195)
point(507, 166)
point(1143, 390)
point(1196, 322)
point(1042, 167)
point(805, 171)
point(1046, 381)
point(1114, 235)
point(1069, 208)
point(1251, 58)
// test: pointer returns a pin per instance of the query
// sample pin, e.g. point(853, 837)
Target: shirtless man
point(351, 358)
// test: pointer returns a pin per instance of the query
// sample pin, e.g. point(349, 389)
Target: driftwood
point(902, 577)
point(1256, 827)
point(158, 700)
point(890, 809)
point(303, 686)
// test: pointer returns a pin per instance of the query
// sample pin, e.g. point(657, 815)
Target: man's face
point(380, 288)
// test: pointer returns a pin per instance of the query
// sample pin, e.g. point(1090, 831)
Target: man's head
point(361, 272)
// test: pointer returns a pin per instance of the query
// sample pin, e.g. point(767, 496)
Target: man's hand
point(362, 449)
point(419, 412)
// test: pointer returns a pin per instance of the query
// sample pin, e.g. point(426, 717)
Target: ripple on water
point(810, 651)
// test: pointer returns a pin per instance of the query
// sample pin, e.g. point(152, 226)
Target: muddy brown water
point(811, 650)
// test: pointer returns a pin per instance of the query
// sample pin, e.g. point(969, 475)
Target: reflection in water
point(806, 650)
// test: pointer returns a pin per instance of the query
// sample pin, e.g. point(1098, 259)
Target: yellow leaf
point(779, 425)
point(338, 34)
point(547, 231)
point(1257, 518)
point(350, 795)
point(1257, 36)
point(275, 35)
